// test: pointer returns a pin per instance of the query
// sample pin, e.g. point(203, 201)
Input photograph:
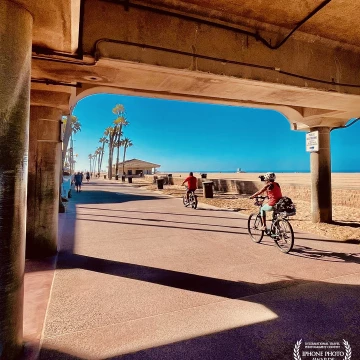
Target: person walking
point(78, 181)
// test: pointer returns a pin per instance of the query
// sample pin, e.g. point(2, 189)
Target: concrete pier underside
point(300, 58)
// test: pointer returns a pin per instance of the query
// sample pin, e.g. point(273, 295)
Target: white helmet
point(269, 176)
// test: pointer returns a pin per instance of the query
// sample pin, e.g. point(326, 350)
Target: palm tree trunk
point(71, 155)
point(117, 157)
point(67, 134)
point(102, 155)
point(110, 162)
point(124, 158)
point(118, 148)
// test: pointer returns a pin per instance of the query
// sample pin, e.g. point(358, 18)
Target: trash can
point(203, 176)
point(116, 177)
point(123, 178)
point(104, 176)
point(208, 189)
point(170, 179)
point(130, 179)
point(160, 183)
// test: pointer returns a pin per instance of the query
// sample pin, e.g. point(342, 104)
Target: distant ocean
point(253, 171)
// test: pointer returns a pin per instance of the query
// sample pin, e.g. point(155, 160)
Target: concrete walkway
point(141, 277)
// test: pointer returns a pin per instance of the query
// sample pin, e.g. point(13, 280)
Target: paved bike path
point(141, 277)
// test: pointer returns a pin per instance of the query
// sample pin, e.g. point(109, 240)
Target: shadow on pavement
point(162, 226)
point(353, 224)
point(311, 310)
point(191, 213)
point(326, 312)
point(180, 280)
point(324, 255)
point(109, 197)
point(162, 220)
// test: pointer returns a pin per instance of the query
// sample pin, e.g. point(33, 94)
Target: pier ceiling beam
point(211, 55)
point(120, 77)
point(316, 21)
point(195, 45)
point(56, 25)
point(330, 122)
point(48, 98)
point(294, 115)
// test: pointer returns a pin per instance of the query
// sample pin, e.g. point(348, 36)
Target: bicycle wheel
point(254, 225)
point(194, 202)
point(185, 202)
point(284, 235)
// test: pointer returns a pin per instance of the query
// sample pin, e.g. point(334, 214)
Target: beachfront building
point(136, 167)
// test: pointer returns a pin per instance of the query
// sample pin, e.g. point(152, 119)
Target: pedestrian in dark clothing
point(78, 181)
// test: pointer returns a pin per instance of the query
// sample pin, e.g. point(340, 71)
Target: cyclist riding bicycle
point(273, 192)
point(192, 184)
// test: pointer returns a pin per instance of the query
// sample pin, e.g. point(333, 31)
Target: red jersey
point(192, 182)
point(274, 193)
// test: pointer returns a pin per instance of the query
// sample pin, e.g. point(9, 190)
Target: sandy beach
point(346, 219)
point(339, 180)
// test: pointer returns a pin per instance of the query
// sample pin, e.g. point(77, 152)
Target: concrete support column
point(44, 182)
point(320, 163)
point(15, 66)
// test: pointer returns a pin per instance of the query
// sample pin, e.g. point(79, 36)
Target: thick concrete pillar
point(320, 164)
point(15, 66)
point(44, 181)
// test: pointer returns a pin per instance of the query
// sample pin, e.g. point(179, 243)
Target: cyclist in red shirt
point(192, 184)
point(273, 191)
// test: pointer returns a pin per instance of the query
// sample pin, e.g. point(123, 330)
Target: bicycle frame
point(192, 200)
point(280, 230)
point(275, 214)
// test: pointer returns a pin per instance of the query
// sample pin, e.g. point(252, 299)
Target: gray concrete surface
point(141, 277)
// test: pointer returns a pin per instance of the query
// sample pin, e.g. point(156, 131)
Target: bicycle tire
point(185, 202)
point(254, 223)
point(194, 202)
point(284, 235)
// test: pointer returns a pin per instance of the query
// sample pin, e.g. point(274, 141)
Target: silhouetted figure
point(78, 181)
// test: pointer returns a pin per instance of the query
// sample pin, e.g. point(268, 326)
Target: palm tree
point(94, 158)
point(119, 122)
point(126, 143)
point(90, 158)
point(103, 140)
point(72, 126)
point(110, 133)
point(98, 152)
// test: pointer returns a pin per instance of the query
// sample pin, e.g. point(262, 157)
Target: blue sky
point(184, 136)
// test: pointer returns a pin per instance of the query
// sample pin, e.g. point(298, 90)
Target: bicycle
point(280, 230)
point(192, 199)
